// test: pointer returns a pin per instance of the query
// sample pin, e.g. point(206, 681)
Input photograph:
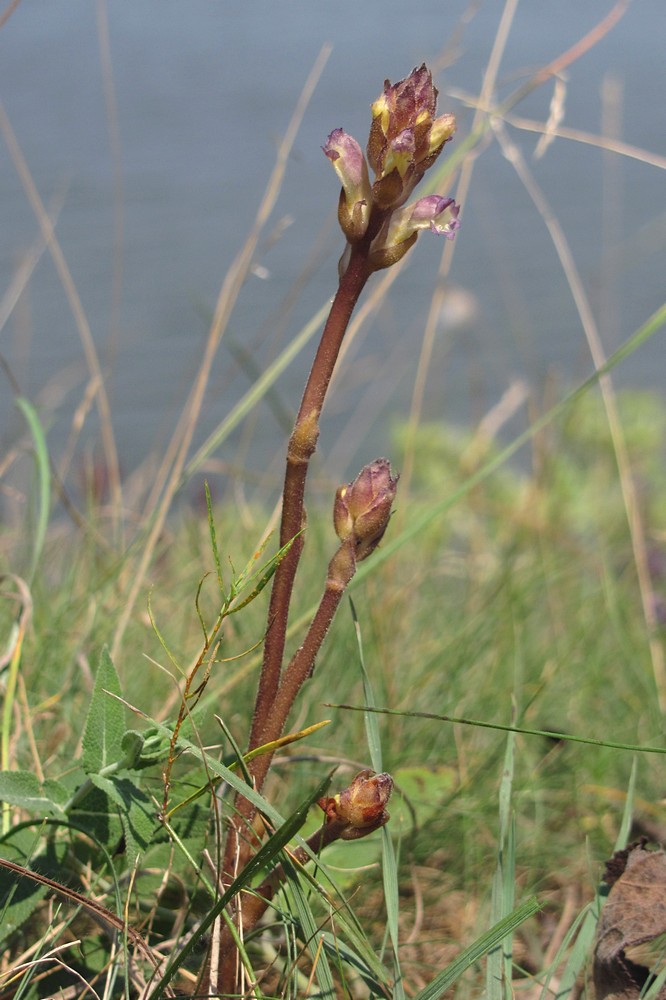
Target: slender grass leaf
point(577, 956)
point(549, 734)
point(213, 539)
point(628, 811)
point(491, 939)
point(309, 930)
point(389, 864)
point(371, 723)
point(43, 480)
point(498, 965)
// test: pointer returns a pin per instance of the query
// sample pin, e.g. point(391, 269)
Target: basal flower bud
point(356, 196)
point(405, 137)
point(362, 509)
point(360, 808)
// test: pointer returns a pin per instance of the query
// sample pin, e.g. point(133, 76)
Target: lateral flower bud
point(362, 509)
point(350, 165)
point(399, 233)
point(361, 807)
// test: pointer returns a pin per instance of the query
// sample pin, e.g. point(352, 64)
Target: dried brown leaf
point(631, 922)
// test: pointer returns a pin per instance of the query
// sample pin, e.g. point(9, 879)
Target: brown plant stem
point(256, 904)
point(340, 571)
point(302, 444)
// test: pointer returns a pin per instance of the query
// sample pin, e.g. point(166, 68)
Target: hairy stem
point(301, 447)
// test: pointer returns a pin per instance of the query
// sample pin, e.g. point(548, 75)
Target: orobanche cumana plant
point(123, 826)
point(153, 863)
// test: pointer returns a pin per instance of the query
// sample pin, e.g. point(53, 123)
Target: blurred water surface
point(203, 91)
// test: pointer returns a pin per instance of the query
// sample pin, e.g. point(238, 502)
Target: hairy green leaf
point(105, 724)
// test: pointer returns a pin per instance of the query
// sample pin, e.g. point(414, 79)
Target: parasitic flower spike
point(406, 137)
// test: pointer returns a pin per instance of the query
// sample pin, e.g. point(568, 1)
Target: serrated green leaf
point(105, 724)
point(24, 790)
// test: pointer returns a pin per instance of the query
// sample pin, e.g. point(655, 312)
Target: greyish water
point(203, 90)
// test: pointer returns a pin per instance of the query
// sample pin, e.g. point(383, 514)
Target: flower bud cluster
point(405, 140)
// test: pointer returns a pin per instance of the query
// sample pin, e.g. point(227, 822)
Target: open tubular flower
point(437, 214)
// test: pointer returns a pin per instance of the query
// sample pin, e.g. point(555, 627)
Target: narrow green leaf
point(500, 728)
point(263, 576)
point(371, 722)
point(309, 929)
point(476, 951)
point(213, 539)
point(498, 965)
point(105, 724)
point(43, 479)
point(389, 864)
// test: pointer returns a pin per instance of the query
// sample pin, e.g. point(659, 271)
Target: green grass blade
point(371, 721)
point(498, 966)
point(491, 939)
point(628, 812)
point(457, 720)
point(389, 863)
point(43, 481)
point(213, 539)
point(310, 931)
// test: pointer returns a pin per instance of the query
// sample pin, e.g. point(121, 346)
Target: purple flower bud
point(356, 199)
point(362, 509)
